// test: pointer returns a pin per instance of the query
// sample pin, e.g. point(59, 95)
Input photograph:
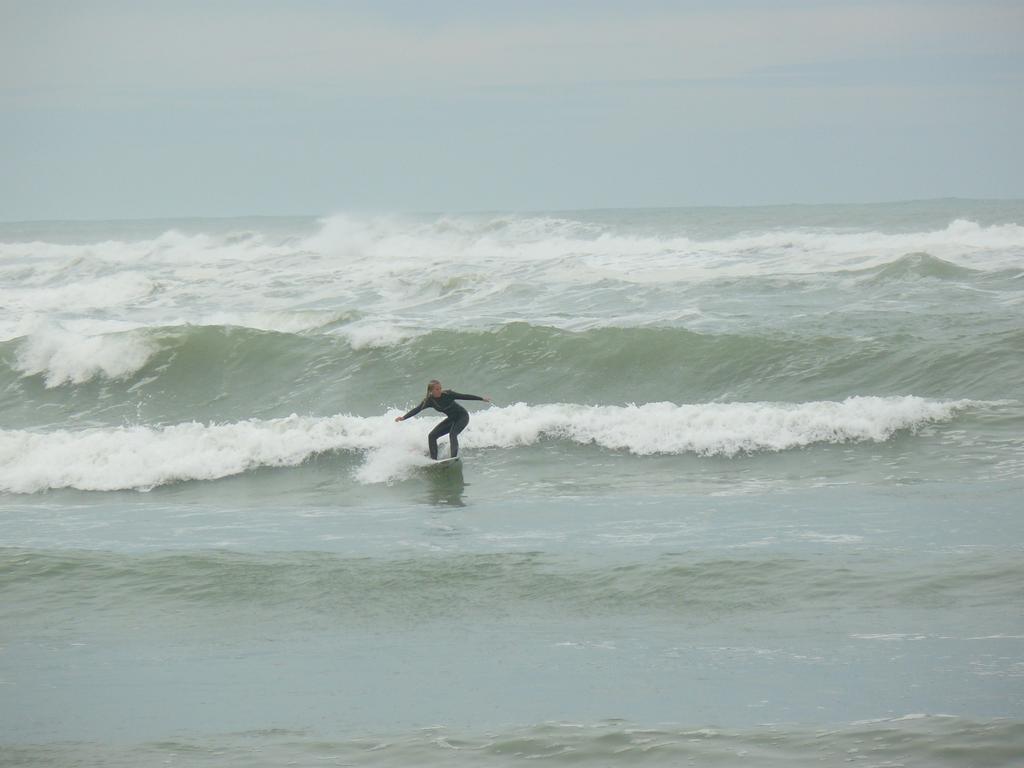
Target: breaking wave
point(144, 457)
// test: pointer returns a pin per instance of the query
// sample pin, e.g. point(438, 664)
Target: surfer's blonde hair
point(430, 386)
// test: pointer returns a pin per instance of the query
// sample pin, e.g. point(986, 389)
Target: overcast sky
point(115, 109)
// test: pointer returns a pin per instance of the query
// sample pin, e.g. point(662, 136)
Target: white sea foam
point(63, 357)
point(444, 272)
point(145, 457)
point(568, 251)
point(78, 350)
point(722, 429)
point(379, 333)
point(80, 294)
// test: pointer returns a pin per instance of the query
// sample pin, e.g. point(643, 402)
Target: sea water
point(750, 490)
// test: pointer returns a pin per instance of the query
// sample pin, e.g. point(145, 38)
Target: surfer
point(456, 417)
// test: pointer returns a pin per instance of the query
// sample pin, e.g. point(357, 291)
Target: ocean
point(750, 490)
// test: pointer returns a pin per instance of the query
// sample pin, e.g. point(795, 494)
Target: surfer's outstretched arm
point(412, 413)
point(458, 396)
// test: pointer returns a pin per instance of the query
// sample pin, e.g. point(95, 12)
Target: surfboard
point(447, 463)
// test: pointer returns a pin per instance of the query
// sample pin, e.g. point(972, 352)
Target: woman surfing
point(456, 417)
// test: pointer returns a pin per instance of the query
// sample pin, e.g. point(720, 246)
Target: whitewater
point(145, 457)
point(749, 488)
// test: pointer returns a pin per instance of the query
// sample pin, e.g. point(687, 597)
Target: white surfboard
point(447, 463)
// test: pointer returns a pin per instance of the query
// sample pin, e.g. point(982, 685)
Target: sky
point(115, 109)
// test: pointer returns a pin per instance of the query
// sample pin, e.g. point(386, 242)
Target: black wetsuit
point(456, 421)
